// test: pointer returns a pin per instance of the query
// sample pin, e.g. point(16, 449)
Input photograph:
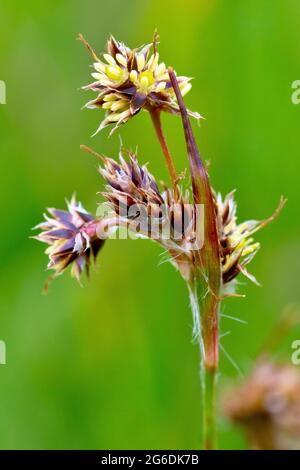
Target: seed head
point(128, 80)
point(136, 199)
point(72, 239)
point(159, 215)
point(267, 405)
point(130, 179)
point(237, 246)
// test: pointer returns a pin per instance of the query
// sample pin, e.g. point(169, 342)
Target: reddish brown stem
point(155, 116)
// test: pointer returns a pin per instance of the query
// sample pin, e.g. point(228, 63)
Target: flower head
point(169, 217)
point(237, 246)
point(129, 179)
point(127, 80)
point(267, 405)
point(139, 204)
point(72, 238)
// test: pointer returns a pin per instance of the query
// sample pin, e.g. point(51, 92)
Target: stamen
point(107, 105)
point(114, 72)
point(119, 105)
point(110, 97)
point(121, 59)
point(97, 75)
point(140, 62)
point(99, 66)
point(133, 76)
point(109, 59)
point(160, 70)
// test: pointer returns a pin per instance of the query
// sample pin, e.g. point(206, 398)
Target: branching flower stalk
point(209, 251)
point(156, 120)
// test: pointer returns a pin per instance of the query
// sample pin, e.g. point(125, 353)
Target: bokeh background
point(112, 365)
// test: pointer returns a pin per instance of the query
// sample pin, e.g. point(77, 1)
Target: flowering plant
point(197, 228)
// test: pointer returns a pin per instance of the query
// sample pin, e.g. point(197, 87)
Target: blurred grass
point(112, 365)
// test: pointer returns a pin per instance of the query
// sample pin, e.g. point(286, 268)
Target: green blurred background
point(112, 365)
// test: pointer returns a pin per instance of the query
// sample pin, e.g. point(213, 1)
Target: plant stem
point(205, 327)
point(206, 278)
point(209, 353)
point(155, 116)
point(209, 415)
point(209, 308)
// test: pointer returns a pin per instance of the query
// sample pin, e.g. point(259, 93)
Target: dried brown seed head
point(267, 405)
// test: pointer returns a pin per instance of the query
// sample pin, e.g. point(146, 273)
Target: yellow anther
point(109, 59)
point(114, 72)
point(97, 76)
point(133, 76)
point(140, 62)
point(121, 59)
point(144, 82)
point(160, 70)
point(120, 104)
point(239, 246)
point(153, 62)
point(146, 78)
point(107, 105)
point(250, 249)
point(99, 66)
point(110, 97)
